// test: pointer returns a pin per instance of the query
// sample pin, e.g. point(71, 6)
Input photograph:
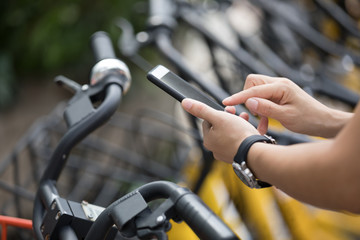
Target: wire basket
point(127, 152)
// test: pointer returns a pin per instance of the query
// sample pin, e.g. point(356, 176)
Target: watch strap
point(241, 155)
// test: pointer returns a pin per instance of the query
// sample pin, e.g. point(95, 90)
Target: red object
point(13, 221)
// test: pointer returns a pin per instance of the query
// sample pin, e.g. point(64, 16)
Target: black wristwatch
point(240, 166)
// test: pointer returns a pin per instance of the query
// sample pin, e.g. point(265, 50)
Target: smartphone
point(178, 87)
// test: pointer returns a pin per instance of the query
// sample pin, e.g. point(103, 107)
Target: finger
point(258, 79)
point(199, 109)
point(267, 91)
point(245, 116)
point(230, 109)
point(263, 125)
point(264, 107)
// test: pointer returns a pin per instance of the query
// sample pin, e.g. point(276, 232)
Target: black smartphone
point(178, 87)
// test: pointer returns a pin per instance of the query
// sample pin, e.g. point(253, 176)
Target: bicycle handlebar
point(107, 63)
point(115, 79)
point(102, 46)
point(188, 206)
point(204, 222)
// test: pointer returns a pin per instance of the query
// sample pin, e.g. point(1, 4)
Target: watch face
point(242, 175)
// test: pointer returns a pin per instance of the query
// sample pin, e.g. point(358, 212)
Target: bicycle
point(236, 188)
point(162, 26)
point(56, 217)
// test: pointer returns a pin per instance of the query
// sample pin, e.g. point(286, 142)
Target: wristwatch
point(240, 166)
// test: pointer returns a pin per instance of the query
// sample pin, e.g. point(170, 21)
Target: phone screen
point(178, 87)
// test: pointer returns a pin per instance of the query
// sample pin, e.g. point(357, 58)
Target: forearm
point(311, 172)
point(317, 120)
point(329, 123)
point(283, 100)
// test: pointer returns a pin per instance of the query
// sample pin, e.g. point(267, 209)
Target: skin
point(323, 173)
point(281, 99)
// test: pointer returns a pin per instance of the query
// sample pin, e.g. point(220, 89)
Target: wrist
point(240, 166)
point(256, 160)
point(333, 122)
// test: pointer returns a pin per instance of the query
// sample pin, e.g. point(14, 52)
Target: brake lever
point(68, 84)
point(128, 43)
point(81, 105)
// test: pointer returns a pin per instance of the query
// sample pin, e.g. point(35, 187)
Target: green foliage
point(41, 37)
point(45, 35)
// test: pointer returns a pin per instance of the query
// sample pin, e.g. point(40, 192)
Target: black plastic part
point(165, 209)
point(78, 110)
point(205, 223)
point(188, 207)
point(102, 46)
point(67, 220)
point(58, 216)
point(80, 222)
point(103, 223)
point(129, 207)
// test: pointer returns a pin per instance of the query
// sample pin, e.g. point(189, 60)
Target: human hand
point(223, 132)
point(283, 100)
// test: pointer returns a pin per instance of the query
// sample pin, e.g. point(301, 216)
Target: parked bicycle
point(56, 217)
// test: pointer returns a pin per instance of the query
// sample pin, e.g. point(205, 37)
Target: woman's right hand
point(283, 100)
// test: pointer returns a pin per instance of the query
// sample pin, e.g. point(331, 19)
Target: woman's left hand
point(223, 132)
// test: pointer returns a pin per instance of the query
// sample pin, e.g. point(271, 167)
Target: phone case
point(178, 87)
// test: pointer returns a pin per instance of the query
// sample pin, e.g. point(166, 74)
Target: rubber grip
point(205, 223)
point(102, 46)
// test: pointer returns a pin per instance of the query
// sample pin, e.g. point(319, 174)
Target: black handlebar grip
point(102, 46)
point(205, 223)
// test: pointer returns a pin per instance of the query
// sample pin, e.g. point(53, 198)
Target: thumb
point(199, 109)
point(263, 107)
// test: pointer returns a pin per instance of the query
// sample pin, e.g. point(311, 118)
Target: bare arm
point(325, 173)
point(283, 100)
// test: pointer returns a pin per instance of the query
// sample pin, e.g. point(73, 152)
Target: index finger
point(267, 91)
point(199, 109)
point(258, 79)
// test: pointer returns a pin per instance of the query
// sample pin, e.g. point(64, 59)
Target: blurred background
point(220, 41)
point(40, 40)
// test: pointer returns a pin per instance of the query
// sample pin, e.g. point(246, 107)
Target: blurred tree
point(39, 37)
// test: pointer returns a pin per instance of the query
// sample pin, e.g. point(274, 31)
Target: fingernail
point(252, 104)
point(187, 104)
